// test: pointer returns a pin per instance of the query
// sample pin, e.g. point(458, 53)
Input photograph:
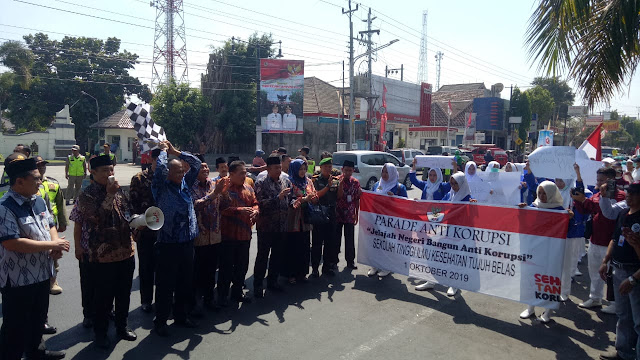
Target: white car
point(369, 166)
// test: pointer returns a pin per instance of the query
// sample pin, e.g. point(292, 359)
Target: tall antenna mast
point(439, 56)
point(423, 73)
point(169, 44)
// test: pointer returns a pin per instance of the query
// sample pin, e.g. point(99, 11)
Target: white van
point(369, 166)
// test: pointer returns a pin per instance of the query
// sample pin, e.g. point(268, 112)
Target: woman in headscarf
point(388, 185)
point(298, 232)
point(432, 189)
point(549, 197)
point(459, 193)
point(470, 173)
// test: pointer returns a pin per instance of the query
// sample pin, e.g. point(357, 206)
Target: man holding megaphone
point(105, 208)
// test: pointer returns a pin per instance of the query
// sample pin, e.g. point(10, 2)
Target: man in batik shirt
point(349, 193)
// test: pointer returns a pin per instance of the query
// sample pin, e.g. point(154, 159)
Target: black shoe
point(51, 355)
point(329, 272)
point(103, 341)
point(186, 323)
point(49, 330)
point(612, 355)
point(315, 273)
point(87, 322)
point(275, 287)
point(126, 333)
point(258, 292)
point(146, 308)
point(352, 266)
point(161, 330)
point(241, 299)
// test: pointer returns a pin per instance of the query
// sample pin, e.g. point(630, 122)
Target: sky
point(481, 41)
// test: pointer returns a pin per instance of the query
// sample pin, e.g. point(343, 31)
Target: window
point(407, 154)
point(338, 159)
point(416, 153)
point(396, 153)
point(369, 159)
point(391, 159)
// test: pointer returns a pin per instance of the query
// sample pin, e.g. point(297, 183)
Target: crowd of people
point(199, 258)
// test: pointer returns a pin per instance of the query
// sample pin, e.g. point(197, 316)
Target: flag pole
point(448, 125)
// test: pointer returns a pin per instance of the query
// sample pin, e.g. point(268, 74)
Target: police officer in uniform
point(75, 170)
point(50, 191)
point(112, 156)
point(324, 239)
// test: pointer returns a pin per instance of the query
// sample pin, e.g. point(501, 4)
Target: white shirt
point(289, 122)
point(274, 121)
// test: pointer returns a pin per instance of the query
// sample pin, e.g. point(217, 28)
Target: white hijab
point(433, 187)
point(554, 199)
point(511, 166)
point(463, 187)
point(474, 177)
point(493, 165)
point(566, 192)
point(386, 186)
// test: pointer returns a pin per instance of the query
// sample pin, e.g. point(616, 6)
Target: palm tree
point(19, 59)
point(597, 42)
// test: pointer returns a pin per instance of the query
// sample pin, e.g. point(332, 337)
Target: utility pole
point(439, 56)
point(352, 127)
point(369, 32)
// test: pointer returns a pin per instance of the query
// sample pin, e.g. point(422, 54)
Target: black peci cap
point(102, 160)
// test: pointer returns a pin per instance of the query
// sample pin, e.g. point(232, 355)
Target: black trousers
point(298, 253)
point(24, 311)
point(204, 270)
point(112, 282)
point(174, 279)
point(87, 288)
point(273, 242)
point(324, 244)
point(233, 267)
point(349, 245)
point(147, 265)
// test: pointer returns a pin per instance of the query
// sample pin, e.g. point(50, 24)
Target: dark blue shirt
point(439, 194)
point(180, 222)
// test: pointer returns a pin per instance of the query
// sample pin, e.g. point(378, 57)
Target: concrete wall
point(54, 143)
point(125, 150)
point(320, 134)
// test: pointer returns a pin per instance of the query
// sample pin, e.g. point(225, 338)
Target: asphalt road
point(350, 316)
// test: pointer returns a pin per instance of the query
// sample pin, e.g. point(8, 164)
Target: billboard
point(611, 125)
point(490, 113)
point(594, 120)
point(577, 110)
point(407, 103)
point(281, 95)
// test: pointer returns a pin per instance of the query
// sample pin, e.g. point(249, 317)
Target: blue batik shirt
point(180, 222)
point(22, 217)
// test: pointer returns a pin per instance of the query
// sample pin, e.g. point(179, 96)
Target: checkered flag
point(148, 132)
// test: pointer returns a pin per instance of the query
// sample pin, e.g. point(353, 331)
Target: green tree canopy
point(541, 103)
point(521, 106)
point(180, 110)
point(595, 42)
point(61, 71)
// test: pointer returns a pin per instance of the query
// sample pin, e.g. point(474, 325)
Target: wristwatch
point(632, 281)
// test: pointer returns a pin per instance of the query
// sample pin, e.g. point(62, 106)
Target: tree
point(7, 80)
point(541, 103)
point(230, 86)
point(180, 110)
point(58, 74)
point(561, 93)
point(595, 41)
point(521, 106)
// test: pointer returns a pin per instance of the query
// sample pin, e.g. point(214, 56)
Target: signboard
point(594, 120)
point(281, 95)
point(515, 120)
point(611, 125)
point(472, 128)
point(479, 138)
point(623, 139)
point(467, 246)
point(577, 111)
point(434, 161)
point(518, 141)
point(545, 138)
point(557, 162)
point(490, 113)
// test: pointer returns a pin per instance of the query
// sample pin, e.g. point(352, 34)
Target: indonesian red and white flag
point(593, 144)
point(383, 117)
point(450, 110)
point(469, 122)
point(637, 152)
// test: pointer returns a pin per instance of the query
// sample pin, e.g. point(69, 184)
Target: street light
point(97, 107)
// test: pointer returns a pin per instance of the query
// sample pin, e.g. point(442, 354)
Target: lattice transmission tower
point(170, 44)
point(423, 74)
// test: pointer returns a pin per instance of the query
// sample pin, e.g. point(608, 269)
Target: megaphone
point(153, 218)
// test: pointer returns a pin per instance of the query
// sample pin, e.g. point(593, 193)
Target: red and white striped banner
point(508, 252)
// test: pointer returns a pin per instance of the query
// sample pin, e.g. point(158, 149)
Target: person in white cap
point(608, 162)
point(75, 170)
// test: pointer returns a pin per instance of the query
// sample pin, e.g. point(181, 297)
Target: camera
point(611, 189)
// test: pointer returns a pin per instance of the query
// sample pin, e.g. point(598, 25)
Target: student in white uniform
point(289, 120)
point(274, 120)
